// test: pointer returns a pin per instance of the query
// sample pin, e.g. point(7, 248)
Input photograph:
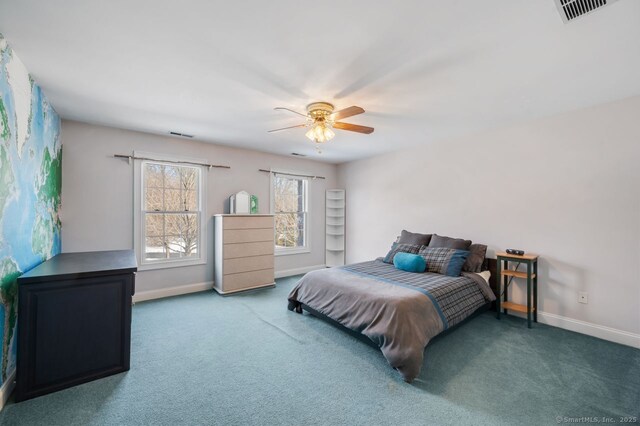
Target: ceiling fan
point(321, 119)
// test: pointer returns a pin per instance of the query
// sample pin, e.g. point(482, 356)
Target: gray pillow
point(477, 253)
point(401, 248)
point(407, 237)
point(448, 242)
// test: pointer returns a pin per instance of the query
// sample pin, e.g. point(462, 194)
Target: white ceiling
point(423, 70)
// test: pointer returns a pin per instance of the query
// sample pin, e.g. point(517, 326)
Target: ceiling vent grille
point(184, 135)
point(572, 9)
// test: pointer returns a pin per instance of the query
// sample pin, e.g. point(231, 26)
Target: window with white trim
point(171, 216)
point(290, 208)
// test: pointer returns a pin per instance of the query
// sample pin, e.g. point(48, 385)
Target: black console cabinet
point(74, 320)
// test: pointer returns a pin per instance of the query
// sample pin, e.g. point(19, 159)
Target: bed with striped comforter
point(399, 311)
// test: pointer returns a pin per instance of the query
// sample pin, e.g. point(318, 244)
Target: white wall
point(97, 194)
point(566, 187)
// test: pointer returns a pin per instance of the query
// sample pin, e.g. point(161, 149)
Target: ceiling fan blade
point(285, 128)
point(353, 128)
point(347, 112)
point(290, 110)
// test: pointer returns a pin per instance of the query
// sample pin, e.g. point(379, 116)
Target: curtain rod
point(132, 157)
point(291, 174)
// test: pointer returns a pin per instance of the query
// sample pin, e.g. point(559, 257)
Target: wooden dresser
point(243, 258)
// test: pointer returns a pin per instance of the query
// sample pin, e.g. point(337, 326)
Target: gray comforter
point(399, 311)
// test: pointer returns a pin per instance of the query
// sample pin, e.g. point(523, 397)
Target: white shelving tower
point(334, 224)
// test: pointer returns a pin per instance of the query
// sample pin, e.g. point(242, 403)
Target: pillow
point(409, 262)
point(486, 275)
point(445, 261)
point(448, 242)
point(400, 248)
point(407, 237)
point(477, 253)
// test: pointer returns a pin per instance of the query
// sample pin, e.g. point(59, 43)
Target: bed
point(399, 312)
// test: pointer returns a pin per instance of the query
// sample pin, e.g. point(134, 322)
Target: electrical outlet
point(583, 297)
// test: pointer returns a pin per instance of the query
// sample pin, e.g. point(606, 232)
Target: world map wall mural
point(30, 187)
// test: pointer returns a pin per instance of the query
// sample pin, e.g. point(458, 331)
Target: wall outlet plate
point(583, 297)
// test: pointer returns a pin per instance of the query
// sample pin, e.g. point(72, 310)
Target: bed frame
point(489, 265)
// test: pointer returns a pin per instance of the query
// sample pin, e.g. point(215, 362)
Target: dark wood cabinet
point(74, 320)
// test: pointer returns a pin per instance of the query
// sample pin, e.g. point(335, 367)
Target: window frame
point(140, 212)
point(285, 251)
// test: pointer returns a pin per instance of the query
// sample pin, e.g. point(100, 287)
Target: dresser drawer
point(232, 251)
point(247, 264)
point(248, 235)
point(245, 280)
point(247, 222)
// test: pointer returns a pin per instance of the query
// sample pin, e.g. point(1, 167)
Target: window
point(170, 222)
point(290, 209)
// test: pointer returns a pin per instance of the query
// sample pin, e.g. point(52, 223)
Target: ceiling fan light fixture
point(328, 133)
point(311, 135)
point(322, 119)
point(320, 133)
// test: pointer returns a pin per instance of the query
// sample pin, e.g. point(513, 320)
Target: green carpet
point(205, 359)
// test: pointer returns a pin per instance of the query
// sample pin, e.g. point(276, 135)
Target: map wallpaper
point(30, 186)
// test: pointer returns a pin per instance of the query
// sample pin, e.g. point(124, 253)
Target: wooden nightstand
point(531, 275)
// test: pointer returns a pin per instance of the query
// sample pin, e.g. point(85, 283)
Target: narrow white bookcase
point(334, 224)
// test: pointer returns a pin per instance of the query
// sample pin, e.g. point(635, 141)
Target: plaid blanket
point(455, 298)
point(399, 311)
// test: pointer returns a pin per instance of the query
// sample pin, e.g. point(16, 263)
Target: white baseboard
point(172, 291)
point(588, 328)
point(194, 288)
point(595, 330)
point(297, 271)
point(7, 388)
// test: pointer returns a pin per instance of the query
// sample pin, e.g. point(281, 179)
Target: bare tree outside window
point(290, 211)
point(171, 211)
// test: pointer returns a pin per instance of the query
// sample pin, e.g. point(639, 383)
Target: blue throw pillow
point(409, 262)
point(444, 261)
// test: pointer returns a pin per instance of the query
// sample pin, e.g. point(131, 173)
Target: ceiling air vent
point(572, 9)
point(184, 135)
